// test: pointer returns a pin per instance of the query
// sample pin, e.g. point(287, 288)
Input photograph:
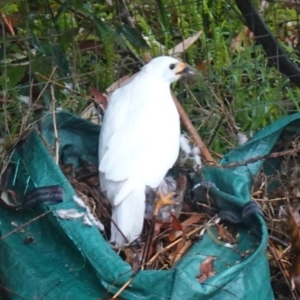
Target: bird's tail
point(128, 215)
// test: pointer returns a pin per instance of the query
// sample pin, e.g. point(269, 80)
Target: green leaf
point(107, 32)
point(133, 36)
point(53, 54)
point(12, 76)
point(61, 10)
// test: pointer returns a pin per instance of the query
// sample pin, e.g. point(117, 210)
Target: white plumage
point(139, 143)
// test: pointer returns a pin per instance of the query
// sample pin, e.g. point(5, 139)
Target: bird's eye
point(172, 66)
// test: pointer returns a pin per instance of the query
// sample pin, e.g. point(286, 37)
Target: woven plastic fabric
point(65, 259)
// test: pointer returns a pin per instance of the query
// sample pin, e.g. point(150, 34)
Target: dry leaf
point(90, 45)
point(7, 195)
point(193, 219)
point(181, 47)
point(242, 40)
point(176, 225)
point(206, 268)
point(122, 81)
point(129, 255)
point(184, 227)
point(176, 229)
point(90, 112)
point(203, 65)
point(99, 97)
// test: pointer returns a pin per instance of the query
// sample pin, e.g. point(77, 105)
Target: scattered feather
point(190, 155)
point(88, 218)
point(69, 214)
point(79, 201)
point(242, 139)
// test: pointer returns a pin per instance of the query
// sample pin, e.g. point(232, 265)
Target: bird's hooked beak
point(185, 69)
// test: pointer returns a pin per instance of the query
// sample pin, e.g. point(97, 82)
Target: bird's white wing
point(130, 145)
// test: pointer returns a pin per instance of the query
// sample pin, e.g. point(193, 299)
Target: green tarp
point(68, 260)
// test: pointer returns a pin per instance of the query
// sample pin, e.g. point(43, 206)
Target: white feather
point(185, 144)
point(139, 142)
point(79, 201)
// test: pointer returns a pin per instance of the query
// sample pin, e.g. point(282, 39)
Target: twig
point(55, 127)
point(47, 83)
point(66, 88)
point(126, 17)
point(205, 154)
point(123, 287)
point(25, 224)
point(261, 157)
point(279, 241)
point(149, 241)
point(174, 243)
point(31, 105)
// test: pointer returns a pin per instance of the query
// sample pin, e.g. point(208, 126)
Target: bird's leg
point(161, 201)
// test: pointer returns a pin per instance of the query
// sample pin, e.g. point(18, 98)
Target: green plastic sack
point(69, 260)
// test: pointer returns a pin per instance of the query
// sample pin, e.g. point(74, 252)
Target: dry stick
point(47, 83)
point(123, 288)
point(25, 224)
point(261, 157)
point(55, 127)
point(282, 269)
point(37, 99)
point(174, 243)
point(183, 250)
point(66, 88)
point(148, 244)
point(8, 23)
point(205, 154)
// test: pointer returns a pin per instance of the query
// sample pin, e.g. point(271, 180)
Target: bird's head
point(168, 68)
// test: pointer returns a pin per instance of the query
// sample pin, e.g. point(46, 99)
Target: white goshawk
point(139, 143)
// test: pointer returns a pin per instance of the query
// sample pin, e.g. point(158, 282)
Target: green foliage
point(237, 88)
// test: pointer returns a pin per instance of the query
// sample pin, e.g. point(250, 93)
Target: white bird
point(139, 143)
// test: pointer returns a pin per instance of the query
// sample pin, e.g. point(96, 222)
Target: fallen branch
point(205, 154)
point(261, 157)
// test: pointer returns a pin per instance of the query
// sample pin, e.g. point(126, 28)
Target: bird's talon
point(163, 200)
